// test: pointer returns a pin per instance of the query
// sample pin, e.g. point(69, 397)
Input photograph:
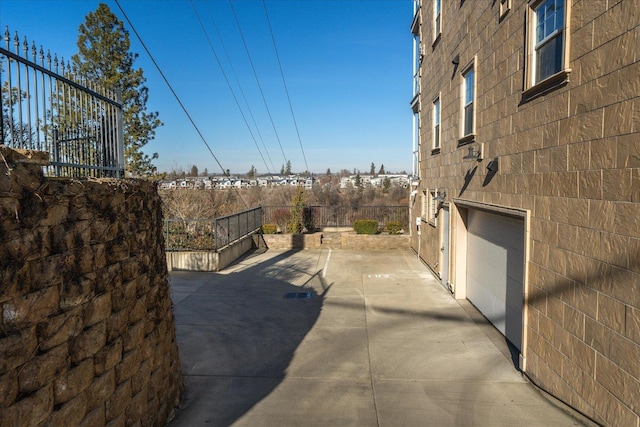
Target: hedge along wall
point(87, 333)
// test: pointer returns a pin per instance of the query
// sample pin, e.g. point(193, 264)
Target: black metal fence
point(210, 234)
point(341, 216)
point(46, 106)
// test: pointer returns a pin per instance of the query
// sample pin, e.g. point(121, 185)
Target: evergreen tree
point(381, 171)
point(252, 172)
point(282, 170)
point(288, 170)
point(386, 184)
point(194, 170)
point(358, 182)
point(328, 172)
point(372, 170)
point(104, 58)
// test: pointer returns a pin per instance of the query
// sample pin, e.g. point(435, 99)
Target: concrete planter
point(337, 240)
point(293, 241)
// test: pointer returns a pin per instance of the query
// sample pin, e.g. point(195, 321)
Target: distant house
point(527, 193)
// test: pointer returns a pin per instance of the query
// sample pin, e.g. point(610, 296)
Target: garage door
point(495, 263)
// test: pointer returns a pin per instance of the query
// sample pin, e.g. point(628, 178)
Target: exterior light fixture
point(456, 60)
point(475, 153)
point(441, 195)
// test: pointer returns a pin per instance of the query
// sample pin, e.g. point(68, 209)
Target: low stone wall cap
point(19, 155)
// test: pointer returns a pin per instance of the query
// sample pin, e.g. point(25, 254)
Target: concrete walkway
point(379, 343)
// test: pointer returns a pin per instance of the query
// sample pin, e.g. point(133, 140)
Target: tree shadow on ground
point(237, 332)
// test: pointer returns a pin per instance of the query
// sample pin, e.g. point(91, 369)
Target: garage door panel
point(495, 265)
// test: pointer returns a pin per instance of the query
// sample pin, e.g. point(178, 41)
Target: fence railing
point(46, 106)
point(341, 216)
point(210, 234)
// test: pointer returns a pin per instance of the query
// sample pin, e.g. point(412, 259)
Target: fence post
point(215, 234)
point(120, 136)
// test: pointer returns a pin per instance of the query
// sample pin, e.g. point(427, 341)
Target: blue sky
point(347, 65)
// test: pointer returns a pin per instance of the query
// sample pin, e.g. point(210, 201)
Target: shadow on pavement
point(237, 333)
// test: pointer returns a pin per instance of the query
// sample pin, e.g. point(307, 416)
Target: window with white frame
point(425, 205)
point(436, 123)
point(437, 19)
point(433, 206)
point(547, 40)
point(468, 100)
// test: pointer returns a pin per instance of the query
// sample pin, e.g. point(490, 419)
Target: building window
point(425, 205)
point(468, 101)
point(437, 20)
point(549, 22)
point(433, 207)
point(436, 123)
point(547, 42)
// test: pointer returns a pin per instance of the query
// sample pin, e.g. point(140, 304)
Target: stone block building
point(527, 192)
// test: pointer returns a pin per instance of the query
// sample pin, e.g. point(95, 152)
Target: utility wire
point(235, 75)
point(177, 97)
point(228, 83)
point(255, 74)
point(295, 123)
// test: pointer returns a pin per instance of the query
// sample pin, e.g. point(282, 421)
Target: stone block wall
point(337, 240)
point(364, 242)
point(87, 333)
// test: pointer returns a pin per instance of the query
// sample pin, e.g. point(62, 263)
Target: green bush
point(269, 228)
point(294, 227)
point(365, 226)
point(308, 220)
point(394, 227)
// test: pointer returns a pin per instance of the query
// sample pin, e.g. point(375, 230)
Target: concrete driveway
point(342, 338)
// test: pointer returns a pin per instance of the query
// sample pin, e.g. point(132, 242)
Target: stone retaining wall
point(337, 240)
point(87, 334)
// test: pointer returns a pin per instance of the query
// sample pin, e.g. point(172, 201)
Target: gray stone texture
point(87, 334)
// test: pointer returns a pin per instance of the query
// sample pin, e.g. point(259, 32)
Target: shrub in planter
point(294, 227)
point(365, 226)
point(269, 228)
point(308, 219)
point(282, 217)
point(394, 227)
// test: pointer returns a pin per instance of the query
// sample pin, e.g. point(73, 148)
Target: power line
point(176, 96)
point(233, 70)
point(255, 74)
point(295, 123)
point(228, 83)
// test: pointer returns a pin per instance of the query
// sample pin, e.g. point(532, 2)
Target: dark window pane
point(549, 58)
point(468, 119)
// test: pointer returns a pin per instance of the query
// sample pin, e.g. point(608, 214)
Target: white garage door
point(495, 263)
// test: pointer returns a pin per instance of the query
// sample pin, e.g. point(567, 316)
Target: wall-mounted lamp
point(493, 165)
point(456, 60)
point(474, 153)
point(441, 195)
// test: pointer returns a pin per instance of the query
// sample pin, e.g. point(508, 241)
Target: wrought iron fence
point(341, 216)
point(48, 107)
point(210, 234)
